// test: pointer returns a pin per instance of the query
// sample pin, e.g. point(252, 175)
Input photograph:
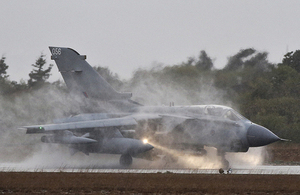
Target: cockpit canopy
point(224, 112)
point(218, 111)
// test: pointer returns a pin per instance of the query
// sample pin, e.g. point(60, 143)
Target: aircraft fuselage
point(207, 125)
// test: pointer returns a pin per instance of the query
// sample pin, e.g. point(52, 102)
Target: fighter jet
point(176, 127)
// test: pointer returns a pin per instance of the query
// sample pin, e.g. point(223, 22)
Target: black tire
point(221, 171)
point(125, 160)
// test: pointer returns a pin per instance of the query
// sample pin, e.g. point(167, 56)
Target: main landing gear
point(125, 160)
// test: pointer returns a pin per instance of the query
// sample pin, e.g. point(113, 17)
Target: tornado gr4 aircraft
point(175, 127)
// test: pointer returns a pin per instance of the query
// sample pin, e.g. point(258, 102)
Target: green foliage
point(205, 62)
point(281, 115)
point(38, 75)
point(236, 62)
point(286, 81)
point(272, 98)
point(246, 76)
point(4, 83)
point(265, 93)
point(3, 68)
point(292, 59)
point(111, 78)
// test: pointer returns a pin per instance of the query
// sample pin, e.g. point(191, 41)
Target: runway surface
point(59, 161)
point(262, 169)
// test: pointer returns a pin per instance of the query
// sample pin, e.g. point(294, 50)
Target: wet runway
point(262, 169)
point(59, 161)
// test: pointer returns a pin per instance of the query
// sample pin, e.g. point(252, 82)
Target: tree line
point(264, 92)
point(37, 77)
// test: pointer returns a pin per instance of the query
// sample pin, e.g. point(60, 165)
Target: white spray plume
point(46, 104)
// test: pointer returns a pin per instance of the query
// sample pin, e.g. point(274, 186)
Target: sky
point(127, 35)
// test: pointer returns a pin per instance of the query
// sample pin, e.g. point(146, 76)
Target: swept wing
point(82, 125)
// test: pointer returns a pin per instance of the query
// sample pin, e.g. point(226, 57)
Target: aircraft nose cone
point(260, 136)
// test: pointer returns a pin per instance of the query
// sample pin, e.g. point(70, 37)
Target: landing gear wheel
point(225, 163)
point(229, 171)
point(125, 160)
point(221, 171)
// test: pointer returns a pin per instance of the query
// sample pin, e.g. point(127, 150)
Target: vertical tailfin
point(80, 77)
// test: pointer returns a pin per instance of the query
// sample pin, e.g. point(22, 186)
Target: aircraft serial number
point(56, 51)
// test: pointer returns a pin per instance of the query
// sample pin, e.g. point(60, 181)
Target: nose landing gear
point(221, 171)
point(225, 163)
